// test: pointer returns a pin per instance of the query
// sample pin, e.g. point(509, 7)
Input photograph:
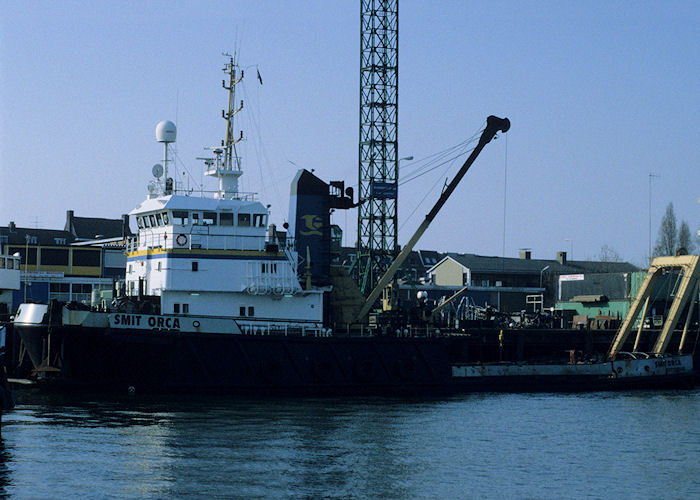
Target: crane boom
point(493, 125)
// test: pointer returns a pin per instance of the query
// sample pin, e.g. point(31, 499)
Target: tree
point(609, 254)
point(684, 239)
point(667, 240)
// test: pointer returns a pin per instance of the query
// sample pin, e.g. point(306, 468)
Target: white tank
point(166, 131)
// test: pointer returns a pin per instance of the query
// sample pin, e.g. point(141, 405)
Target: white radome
point(166, 131)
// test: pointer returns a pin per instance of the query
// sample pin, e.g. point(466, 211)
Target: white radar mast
point(226, 166)
point(166, 132)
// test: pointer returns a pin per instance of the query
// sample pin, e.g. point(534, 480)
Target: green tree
point(684, 238)
point(667, 240)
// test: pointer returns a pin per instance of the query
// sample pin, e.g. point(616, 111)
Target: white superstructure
point(9, 277)
point(210, 256)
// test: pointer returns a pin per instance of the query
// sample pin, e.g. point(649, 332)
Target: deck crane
point(493, 126)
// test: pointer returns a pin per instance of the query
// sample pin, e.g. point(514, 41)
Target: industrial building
point(67, 264)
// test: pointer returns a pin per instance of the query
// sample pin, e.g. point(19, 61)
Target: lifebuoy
point(181, 240)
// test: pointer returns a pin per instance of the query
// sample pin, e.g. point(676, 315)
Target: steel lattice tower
point(377, 219)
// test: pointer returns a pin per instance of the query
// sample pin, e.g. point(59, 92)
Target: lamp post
point(542, 271)
point(651, 176)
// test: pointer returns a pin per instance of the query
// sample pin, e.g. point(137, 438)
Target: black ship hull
point(79, 357)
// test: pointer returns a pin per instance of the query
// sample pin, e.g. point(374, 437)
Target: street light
point(542, 271)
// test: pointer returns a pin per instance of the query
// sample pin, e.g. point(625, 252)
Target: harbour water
point(596, 445)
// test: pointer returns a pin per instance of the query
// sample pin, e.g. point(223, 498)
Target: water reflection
point(202, 446)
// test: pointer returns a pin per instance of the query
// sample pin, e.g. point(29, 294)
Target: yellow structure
point(689, 281)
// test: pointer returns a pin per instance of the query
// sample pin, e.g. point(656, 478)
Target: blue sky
point(599, 95)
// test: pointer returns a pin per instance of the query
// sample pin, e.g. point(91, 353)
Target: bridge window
point(153, 220)
point(259, 220)
point(2, 262)
point(166, 219)
point(242, 311)
point(159, 219)
point(181, 217)
point(209, 218)
point(226, 219)
point(195, 218)
point(185, 308)
point(176, 308)
point(244, 220)
point(251, 311)
point(139, 222)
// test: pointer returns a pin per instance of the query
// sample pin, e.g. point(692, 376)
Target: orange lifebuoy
point(181, 240)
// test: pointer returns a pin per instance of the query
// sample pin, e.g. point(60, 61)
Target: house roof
point(93, 227)
point(509, 265)
point(89, 228)
point(29, 236)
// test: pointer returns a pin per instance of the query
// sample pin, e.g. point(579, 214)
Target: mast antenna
point(226, 165)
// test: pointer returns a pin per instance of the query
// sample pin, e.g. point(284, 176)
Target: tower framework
point(378, 146)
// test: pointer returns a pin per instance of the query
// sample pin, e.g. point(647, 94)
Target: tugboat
point(213, 301)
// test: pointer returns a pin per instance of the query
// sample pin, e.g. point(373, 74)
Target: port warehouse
point(88, 255)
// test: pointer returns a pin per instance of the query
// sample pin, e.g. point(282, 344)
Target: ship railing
point(213, 193)
point(297, 329)
point(196, 241)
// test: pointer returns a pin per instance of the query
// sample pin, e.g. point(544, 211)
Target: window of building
point(84, 257)
point(259, 220)
point(59, 287)
point(59, 291)
point(54, 256)
point(82, 288)
point(244, 220)
point(242, 311)
point(185, 308)
point(27, 255)
point(225, 219)
point(209, 218)
point(251, 311)
point(195, 266)
point(176, 308)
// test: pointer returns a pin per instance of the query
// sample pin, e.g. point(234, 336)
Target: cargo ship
point(218, 299)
